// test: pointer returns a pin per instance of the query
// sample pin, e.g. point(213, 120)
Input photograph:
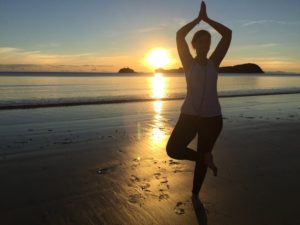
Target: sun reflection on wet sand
point(158, 132)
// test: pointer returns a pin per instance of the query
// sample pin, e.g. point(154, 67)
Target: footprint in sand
point(136, 198)
point(143, 184)
point(175, 165)
point(134, 178)
point(140, 187)
point(163, 196)
point(179, 208)
point(163, 185)
point(157, 175)
point(136, 162)
point(172, 162)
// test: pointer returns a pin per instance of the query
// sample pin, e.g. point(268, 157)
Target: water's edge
point(115, 101)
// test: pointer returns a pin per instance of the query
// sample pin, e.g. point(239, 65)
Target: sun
point(158, 57)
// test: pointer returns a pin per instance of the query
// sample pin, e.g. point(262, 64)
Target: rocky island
point(126, 70)
point(242, 68)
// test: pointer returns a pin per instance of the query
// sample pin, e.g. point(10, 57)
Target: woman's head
point(201, 42)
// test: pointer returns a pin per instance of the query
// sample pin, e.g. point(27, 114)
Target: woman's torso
point(202, 97)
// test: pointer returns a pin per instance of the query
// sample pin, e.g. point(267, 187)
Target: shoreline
point(117, 101)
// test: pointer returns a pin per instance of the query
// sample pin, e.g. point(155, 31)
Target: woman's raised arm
point(182, 46)
point(218, 55)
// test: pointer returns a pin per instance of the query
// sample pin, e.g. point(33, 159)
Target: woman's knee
point(172, 150)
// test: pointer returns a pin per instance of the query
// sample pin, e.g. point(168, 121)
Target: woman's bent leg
point(208, 132)
point(183, 133)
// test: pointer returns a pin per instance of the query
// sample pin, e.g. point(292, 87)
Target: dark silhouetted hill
point(242, 68)
point(126, 70)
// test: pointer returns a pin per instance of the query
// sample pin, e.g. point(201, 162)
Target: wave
point(59, 102)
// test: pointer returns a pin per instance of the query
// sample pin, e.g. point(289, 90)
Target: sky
point(104, 36)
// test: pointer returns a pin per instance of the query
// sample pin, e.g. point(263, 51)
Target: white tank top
point(202, 97)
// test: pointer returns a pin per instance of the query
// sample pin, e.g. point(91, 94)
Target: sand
point(106, 164)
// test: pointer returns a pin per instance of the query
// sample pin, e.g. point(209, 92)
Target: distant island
point(161, 70)
point(242, 68)
point(126, 70)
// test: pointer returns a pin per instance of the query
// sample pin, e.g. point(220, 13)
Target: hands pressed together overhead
point(202, 14)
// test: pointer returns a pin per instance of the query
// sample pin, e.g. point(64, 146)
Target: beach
point(107, 164)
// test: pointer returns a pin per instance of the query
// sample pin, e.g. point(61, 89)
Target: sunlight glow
point(158, 58)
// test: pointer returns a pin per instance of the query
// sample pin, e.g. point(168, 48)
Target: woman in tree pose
point(201, 111)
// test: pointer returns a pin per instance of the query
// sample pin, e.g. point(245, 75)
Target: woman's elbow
point(178, 34)
point(180, 37)
point(229, 32)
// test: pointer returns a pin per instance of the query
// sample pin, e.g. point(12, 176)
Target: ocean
point(32, 90)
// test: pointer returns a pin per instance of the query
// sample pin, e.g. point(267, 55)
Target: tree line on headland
point(242, 68)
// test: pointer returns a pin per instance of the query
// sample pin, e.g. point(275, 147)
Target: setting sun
point(158, 58)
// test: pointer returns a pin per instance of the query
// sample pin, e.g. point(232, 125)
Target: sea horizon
point(101, 73)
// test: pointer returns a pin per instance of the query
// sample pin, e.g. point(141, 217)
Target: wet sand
point(106, 164)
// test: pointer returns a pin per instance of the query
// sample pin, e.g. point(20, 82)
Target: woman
point(200, 112)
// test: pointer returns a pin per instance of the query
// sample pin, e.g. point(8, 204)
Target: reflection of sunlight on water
point(158, 86)
point(158, 91)
point(157, 106)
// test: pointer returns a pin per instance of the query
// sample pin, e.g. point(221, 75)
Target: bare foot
point(208, 160)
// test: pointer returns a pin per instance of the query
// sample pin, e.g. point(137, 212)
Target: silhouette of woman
point(200, 112)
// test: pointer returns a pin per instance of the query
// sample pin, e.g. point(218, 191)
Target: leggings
point(186, 128)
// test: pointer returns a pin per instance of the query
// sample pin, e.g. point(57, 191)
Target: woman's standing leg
point(209, 130)
point(183, 133)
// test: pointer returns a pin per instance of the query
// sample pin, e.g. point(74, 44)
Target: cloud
point(149, 29)
point(10, 55)
point(48, 45)
point(7, 50)
point(179, 21)
point(259, 22)
point(55, 68)
point(262, 45)
point(20, 59)
point(268, 45)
